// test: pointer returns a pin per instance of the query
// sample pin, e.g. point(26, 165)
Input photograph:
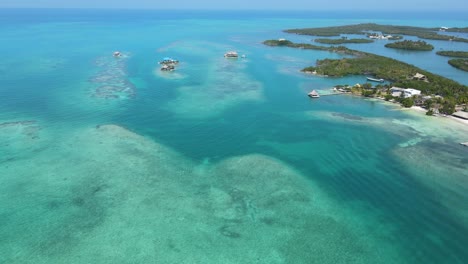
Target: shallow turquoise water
point(221, 160)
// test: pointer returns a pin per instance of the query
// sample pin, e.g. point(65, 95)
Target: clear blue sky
point(420, 5)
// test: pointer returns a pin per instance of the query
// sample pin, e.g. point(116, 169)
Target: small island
point(449, 53)
point(342, 40)
point(461, 64)
point(410, 45)
point(290, 44)
point(368, 28)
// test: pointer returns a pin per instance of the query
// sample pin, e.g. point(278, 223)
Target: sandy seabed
point(108, 195)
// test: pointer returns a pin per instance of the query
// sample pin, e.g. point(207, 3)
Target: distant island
point(448, 53)
point(366, 28)
point(401, 74)
point(343, 40)
point(410, 45)
point(288, 43)
point(461, 64)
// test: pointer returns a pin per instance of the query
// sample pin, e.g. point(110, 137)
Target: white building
point(396, 91)
point(410, 92)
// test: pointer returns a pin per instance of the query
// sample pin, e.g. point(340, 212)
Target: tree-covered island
point(450, 53)
point(410, 45)
point(461, 64)
point(400, 74)
point(366, 28)
point(343, 40)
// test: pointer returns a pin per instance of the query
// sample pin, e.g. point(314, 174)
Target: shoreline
point(419, 109)
point(449, 117)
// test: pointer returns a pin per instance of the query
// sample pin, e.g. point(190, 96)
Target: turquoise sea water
point(110, 160)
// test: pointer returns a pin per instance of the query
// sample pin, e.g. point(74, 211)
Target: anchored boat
point(374, 79)
point(313, 94)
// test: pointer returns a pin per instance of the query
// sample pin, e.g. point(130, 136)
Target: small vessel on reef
point(313, 94)
point(117, 54)
point(374, 79)
point(231, 54)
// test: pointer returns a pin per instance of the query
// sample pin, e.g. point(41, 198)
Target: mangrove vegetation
point(461, 64)
point(366, 28)
point(343, 40)
point(410, 45)
point(449, 53)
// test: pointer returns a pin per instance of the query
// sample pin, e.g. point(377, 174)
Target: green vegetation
point(410, 45)
point(455, 29)
point(342, 41)
point(398, 72)
point(448, 53)
point(448, 107)
point(461, 64)
point(363, 29)
point(407, 102)
point(287, 43)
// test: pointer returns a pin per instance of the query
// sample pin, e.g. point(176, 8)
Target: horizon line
point(238, 9)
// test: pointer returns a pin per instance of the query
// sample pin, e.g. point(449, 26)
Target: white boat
point(375, 80)
point(231, 54)
point(117, 54)
point(313, 94)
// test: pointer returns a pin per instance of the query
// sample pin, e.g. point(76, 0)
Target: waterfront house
point(410, 92)
point(396, 91)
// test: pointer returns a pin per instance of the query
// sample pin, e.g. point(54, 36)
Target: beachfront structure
point(410, 92)
point(396, 91)
point(379, 36)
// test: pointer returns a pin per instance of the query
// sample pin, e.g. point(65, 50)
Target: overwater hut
point(231, 54)
point(168, 60)
point(167, 67)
